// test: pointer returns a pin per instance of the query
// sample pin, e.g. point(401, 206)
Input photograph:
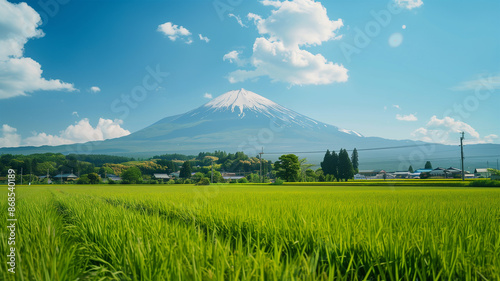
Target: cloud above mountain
point(279, 53)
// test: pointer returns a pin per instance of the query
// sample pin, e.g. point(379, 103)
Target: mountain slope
point(244, 121)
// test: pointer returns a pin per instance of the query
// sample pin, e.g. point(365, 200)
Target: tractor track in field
point(289, 249)
point(95, 264)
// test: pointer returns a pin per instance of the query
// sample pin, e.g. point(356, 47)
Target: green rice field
point(254, 232)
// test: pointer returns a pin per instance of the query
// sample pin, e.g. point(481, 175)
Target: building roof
point(423, 170)
point(233, 177)
point(66, 176)
point(161, 176)
point(481, 170)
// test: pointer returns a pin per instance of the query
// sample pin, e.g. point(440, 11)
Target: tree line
point(96, 168)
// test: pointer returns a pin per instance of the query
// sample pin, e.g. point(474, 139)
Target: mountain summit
point(252, 109)
point(242, 99)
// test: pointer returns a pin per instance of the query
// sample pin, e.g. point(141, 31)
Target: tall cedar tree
point(330, 164)
point(335, 165)
point(288, 167)
point(326, 164)
point(355, 161)
point(185, 170)
point(428, 165)
point(410, 169)
point(345, 169)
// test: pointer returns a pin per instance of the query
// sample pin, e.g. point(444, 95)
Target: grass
point(256, 232)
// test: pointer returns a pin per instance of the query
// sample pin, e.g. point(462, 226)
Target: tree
point(203, 181)
point(335, 165)
point(217, 176)
point(330, 164)
point(326, 164)
point(345, 169)
point(355, 160)
point(303, 167)
point(410, 169)
point(288, 167)
point(310, 176)
point(94, 178)
point(186, 170)
point(132, 175)
point(428, 165)
point(83, 180)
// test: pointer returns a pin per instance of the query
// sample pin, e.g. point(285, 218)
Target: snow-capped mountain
point(249, 106)
point(241, 120)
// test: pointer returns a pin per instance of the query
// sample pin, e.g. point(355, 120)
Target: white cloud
point(175, 32)
point(81, 131)
point(204, 38)
point(294, 24)
point(275, 3)
point(238, 19)
point(9, 138)
point(409, 4)
point(75, 113)
point(25, 76)
point(396, 106)
point(207, 96)
point(492, 82)
point(297, 67)
point(298, 23)
point(233, 57)
point(403, 27)
point(18, 24)
point(446, 131)
point(409, 117)
point(95, 89)
point(254, 17)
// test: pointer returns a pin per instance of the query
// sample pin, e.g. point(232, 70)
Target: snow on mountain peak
point(241, 99)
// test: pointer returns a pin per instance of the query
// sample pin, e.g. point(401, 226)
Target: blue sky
point(425, 69)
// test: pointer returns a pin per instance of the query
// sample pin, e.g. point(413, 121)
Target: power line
point(360, 149)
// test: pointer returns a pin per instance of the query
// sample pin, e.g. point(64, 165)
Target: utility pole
point(462, 155)
point(212, 176)
point(260, 171)
point(21, 175)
